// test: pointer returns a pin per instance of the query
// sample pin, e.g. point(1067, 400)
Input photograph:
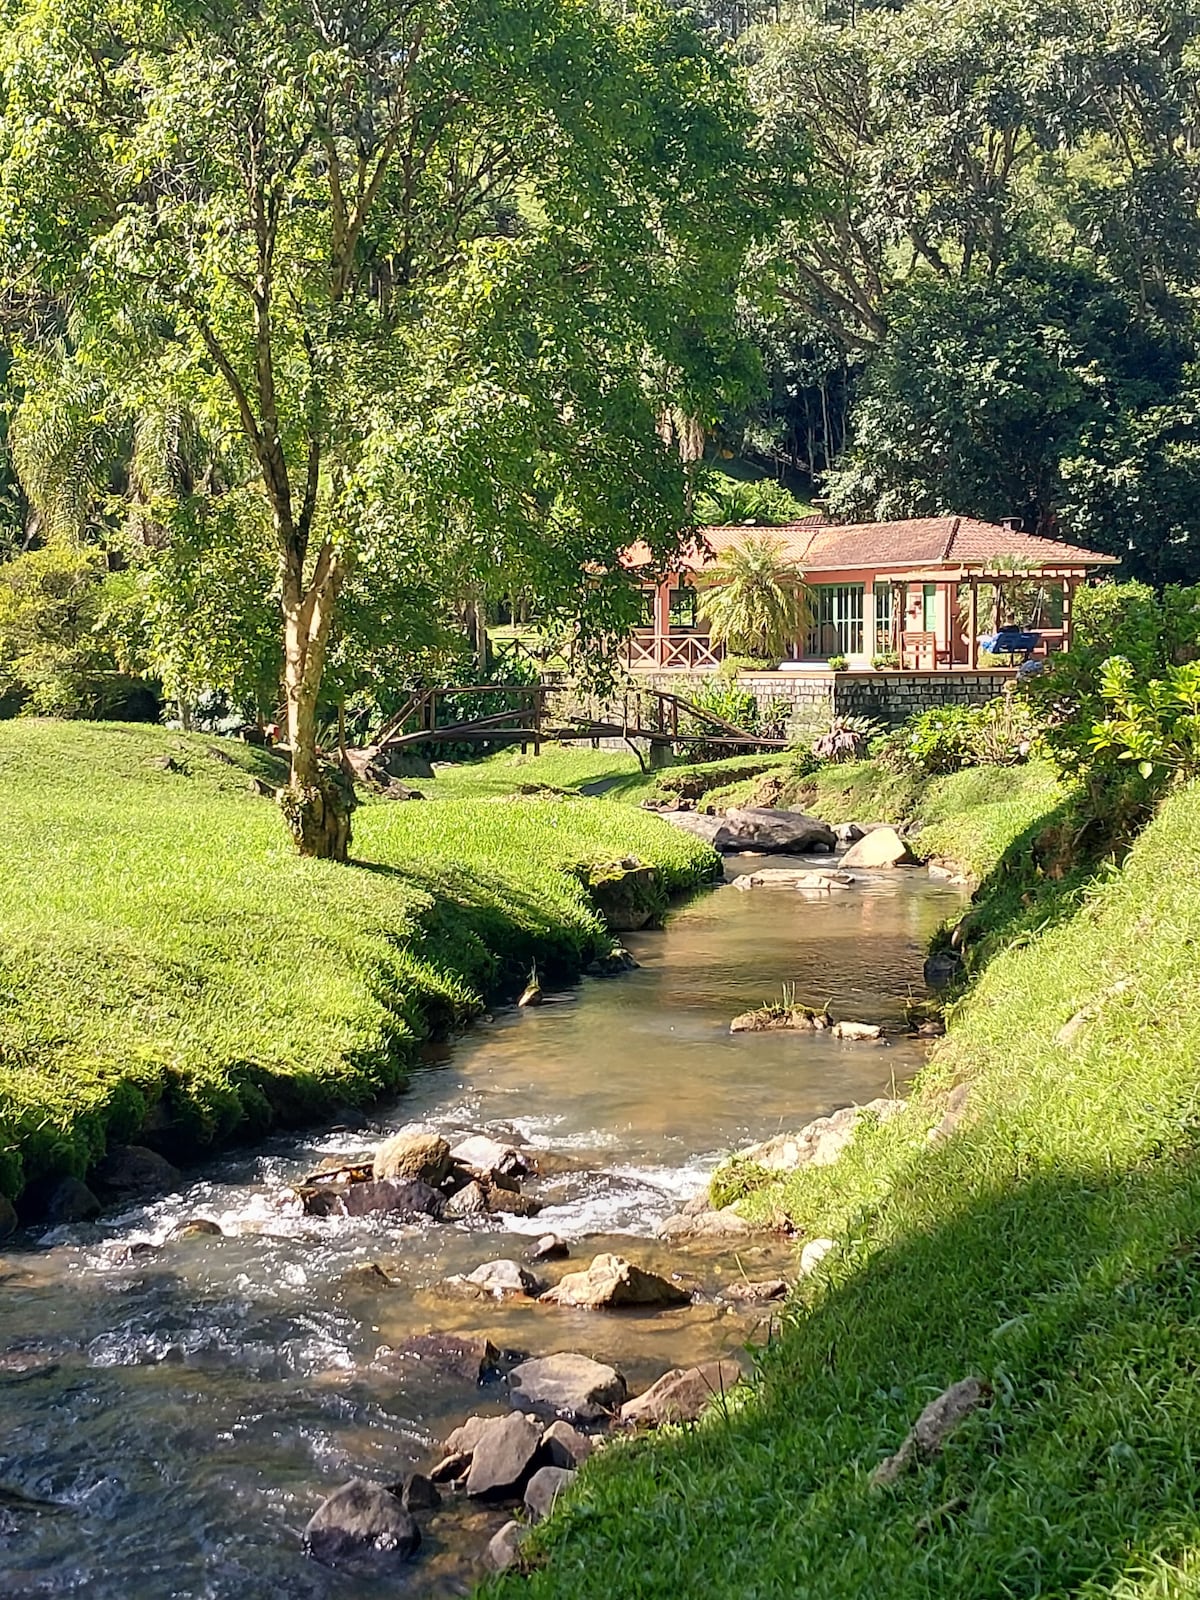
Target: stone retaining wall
point(815, 697)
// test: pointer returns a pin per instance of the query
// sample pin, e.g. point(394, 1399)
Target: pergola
point(931, 649)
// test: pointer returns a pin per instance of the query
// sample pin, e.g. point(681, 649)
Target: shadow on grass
point(1077, 1299)
point(1043, 875)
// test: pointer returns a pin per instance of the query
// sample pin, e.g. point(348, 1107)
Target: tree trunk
point(318, 801)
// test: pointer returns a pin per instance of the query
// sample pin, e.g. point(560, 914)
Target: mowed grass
point(167, 962)
point(1049, 1246)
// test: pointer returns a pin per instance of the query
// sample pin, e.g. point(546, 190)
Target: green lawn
point(1050, 1246)
point(163, 951)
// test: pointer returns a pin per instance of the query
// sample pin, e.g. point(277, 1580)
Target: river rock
point(822, 882)
point(403, 1198)
point(451, 1467)
point(752, 1293)
point(469, 1201)
point(8, 1217)
point(134, 1169)
point(503, 1456)
point(569, 1385)
point(783, 832)
point(626, 896)
point(565, 1446)
point(857, 1030)
point(358, 1517)
point(612, 1282)
point(612, 965)
point(881, 847)
point(942, 967)
point(956, 1110)
point(446, 1354)
point(489, 1158)
point(820, 1142)
point(500, 1279)
point(507, 1202)
point(415, 1154)
point(548, 1248)
point(813, 1254)
point(709, 1223)
point(70, 1200)
point(847, 832)
point(196, 1228)
point(505, 1547)
point(419, 1493)
point(544, 1488)
point(681, 1395)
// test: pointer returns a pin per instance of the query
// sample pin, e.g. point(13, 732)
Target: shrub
point(1155, 724)
point(838, 663)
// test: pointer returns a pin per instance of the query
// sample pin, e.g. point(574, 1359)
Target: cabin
point(924, 595)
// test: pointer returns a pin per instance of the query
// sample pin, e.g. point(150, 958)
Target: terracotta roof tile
point(915, 542)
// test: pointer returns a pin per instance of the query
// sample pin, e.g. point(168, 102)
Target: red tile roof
point(894, 546)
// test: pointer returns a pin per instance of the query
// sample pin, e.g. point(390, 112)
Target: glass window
point(683, 607)
point(837, 625)
point(885, 611)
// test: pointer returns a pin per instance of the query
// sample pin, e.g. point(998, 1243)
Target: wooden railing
point(680, 650)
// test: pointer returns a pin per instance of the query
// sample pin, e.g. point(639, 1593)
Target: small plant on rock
point(847, 739)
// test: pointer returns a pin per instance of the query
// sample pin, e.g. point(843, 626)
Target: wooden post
point(538, 694)
point(973, 626)
point(1068, 594)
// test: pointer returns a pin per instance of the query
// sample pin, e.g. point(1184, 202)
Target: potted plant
point(838, 663)
point(886, 661)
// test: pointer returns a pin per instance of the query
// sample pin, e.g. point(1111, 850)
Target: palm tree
point(757, 603)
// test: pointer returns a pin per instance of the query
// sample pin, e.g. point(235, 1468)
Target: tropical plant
point(724, 500)
point(1154, 723)
point(839, 663)
point(756, 603)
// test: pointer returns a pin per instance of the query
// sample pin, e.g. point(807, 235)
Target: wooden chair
point(918, 652)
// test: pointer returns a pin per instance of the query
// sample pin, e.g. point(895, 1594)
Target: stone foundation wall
point(815, 697)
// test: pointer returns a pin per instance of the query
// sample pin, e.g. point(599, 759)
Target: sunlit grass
point(161, 946)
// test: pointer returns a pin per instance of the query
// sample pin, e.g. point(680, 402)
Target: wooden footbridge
point(546, 713)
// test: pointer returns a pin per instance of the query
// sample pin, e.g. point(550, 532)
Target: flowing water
point(171, 1412)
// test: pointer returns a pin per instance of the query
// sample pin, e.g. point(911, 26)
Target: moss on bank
point(1047, 1245)
point(167, 963)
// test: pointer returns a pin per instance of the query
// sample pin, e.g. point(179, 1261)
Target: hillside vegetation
point(167, 961)
point(1046, 1245)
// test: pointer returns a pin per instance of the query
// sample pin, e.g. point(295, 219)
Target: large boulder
point(503, 1456)
point(415, 1154)
point(710, 829)
point(357, 1518)
point(133, 1169)
point(681, 1395)
point(612, 1282)
point(569, 1385)
point(544, 1488)
point(820, 1142)
point(70, 1200)
point(778, 832)
point(881, 847)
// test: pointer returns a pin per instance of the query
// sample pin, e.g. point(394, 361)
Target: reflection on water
point(197, 1398)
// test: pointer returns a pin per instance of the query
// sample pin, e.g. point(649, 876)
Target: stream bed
point(172, 1412)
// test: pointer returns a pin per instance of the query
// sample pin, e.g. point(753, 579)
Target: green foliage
point(1154, 723)
point(171, 983)
point(761, 502)
point(756, 603)
point(838, 663)
point(60, 655)
point(1000, 733)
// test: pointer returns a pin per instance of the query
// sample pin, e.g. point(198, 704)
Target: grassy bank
point(1047, 1245)
point(167, 962)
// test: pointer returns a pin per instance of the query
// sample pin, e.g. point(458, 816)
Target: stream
point(172, 1412)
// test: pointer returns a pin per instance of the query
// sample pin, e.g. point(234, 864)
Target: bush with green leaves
point(1153, 723)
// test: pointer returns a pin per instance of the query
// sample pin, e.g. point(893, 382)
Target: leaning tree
point(424, 266)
